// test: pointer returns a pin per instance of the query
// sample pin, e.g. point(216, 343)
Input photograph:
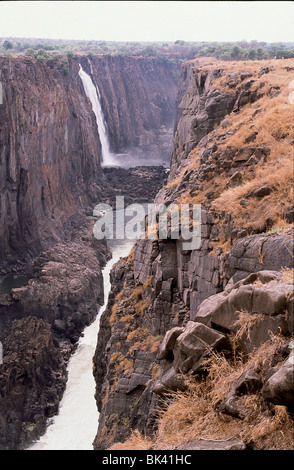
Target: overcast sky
point(149, 20)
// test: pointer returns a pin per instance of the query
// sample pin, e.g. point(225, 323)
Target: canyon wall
point(138, 100)
point(50, 181)
point(50, 164)
point(50, 155)
point(170, 310)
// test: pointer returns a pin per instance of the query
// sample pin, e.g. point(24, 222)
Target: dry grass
point(193, 414)
point(275, 131)
point(288, 275)
point(137, 293)
point(245, 323)
point(136, 441)
point(112, 318)
point(277, 174)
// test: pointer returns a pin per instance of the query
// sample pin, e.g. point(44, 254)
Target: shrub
point(29, 52)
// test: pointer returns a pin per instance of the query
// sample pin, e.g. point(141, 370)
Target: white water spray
point(108, 158)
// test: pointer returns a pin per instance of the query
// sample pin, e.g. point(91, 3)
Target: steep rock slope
point(232, 154)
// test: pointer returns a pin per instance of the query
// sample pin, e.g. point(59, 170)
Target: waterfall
point(108, 159)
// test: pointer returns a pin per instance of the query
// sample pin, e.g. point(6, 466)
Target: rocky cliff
point(32, 382)
point(50, 149)
point(206, 334)
point(50, 155)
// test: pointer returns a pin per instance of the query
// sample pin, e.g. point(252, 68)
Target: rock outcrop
point(65, 290)
point(202, 105)
point(32, 381)
point(140, 183)
point(252, 310)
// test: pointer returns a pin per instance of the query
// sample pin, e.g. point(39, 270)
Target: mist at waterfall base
point(76, 424)
point(130, 159)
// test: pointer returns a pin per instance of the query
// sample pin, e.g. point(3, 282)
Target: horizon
point(148, 21)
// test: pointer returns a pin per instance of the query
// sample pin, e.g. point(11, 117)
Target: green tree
point(252, 54)
point(236, 52)
point(29, 51)
point(7, 45)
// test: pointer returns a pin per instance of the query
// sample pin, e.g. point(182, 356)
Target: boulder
point(248, 383)
point(233, 443)
point(261, 192)
point(262, 293)
point(279, 388)
point(184, 351)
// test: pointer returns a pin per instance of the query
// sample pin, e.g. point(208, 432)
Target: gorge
point(175, 321)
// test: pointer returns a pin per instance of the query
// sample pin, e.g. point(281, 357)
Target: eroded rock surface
point(32, 381)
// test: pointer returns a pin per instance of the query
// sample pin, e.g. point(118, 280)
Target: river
point(76, 424)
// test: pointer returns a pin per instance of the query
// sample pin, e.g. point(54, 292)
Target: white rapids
point(75, 426)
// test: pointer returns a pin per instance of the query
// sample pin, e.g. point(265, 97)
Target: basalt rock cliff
point(215, 323)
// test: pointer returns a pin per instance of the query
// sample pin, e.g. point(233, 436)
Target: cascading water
point(108, 158)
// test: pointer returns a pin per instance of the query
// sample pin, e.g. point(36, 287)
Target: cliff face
point(32, 381)
point(138, 101)
point(50, 155)
point(170, 311)
point(202, 105)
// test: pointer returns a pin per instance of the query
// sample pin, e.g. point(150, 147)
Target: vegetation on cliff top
point(178, 50)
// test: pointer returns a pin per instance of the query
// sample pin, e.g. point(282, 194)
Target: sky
point(270, 21)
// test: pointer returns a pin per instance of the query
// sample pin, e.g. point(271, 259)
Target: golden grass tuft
point(136, 441)
point(288, 275)
point(245, 323)
point(192, 414)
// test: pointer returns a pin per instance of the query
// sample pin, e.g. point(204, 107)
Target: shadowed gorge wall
point(49, 154)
